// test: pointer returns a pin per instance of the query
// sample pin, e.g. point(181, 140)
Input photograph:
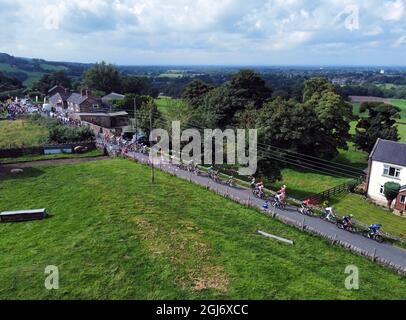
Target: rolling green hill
point(30, 70)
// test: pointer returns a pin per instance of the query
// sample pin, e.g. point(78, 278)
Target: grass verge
point(113, 235)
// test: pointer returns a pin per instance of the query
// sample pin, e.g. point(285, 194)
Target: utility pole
point(151, 159)
point(135, 120)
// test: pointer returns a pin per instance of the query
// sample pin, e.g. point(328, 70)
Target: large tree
point(216, 108)
point(379, 123)
point(143, 106)
point(228, 102)
point(294, 126)
point(248, 86)
point(103, 77)
point(316, 87)
point(333, 113)
point(138, 85)
point(195, 91)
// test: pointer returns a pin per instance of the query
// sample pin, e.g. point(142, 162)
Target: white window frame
point(382, 190)
point(387, 169)
point(403, 199)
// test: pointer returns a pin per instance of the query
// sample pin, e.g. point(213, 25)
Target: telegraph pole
point(151, 158)
point(135, 119)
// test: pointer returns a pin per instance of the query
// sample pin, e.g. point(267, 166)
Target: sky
point(207, 32)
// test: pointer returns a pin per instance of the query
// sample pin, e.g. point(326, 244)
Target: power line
point(329, 172)
point(299, 157)
point(275, 156)
point(336, 164)
point(293, 161)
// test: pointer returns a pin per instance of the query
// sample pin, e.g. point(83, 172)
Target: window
point(403, 199)
point(391, 171)
point(381, 190)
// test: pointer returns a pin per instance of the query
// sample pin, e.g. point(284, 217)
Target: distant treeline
point(393, 92)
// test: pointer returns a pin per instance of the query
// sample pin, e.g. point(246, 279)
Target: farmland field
point(164, 103)
point(401, 103)
point(401, 126)
point(127, 241)
point(21, 133)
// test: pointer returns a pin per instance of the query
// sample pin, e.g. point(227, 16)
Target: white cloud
point(400, 42)
point(393, 10)
point(377, 30)
point(291, 40)
point(138, 31)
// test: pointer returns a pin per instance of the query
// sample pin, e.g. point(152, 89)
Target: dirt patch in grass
point(213, 278)
point(187, 250)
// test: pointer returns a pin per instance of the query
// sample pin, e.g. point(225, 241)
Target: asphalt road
point(388, 252)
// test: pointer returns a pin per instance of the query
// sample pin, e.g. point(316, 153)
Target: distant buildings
point(84, 107)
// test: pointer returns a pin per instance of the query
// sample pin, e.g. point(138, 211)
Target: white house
point(387, 162)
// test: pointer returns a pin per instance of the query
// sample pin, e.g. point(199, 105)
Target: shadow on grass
point(28, 173)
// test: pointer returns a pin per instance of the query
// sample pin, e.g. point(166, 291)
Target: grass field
point(21, 133)
point(164, 103)
point(92, 153)
point(32, 75)
point(401, 103)
point(53, 68)
point(401, 127)
point(112, 235)
point(368, 214)
point(302, 183)
point(353, 157)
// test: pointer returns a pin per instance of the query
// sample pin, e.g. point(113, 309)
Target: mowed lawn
point(113, 235)
point(21, 133)
point(303, 183)
point(368, 213)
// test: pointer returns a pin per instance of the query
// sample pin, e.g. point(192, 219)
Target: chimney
point(83, 92)
point(87, 92)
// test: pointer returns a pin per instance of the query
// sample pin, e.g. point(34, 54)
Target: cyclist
point(210, 170)
point(305, 206)
point(280, 197)
point(330, 215)
point(259, 186)
point(306, 203)
point(347, 221)
point(373, 229)
point(282, 190)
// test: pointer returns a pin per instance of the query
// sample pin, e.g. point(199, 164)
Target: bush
point(391, 191)
point(62, 134)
